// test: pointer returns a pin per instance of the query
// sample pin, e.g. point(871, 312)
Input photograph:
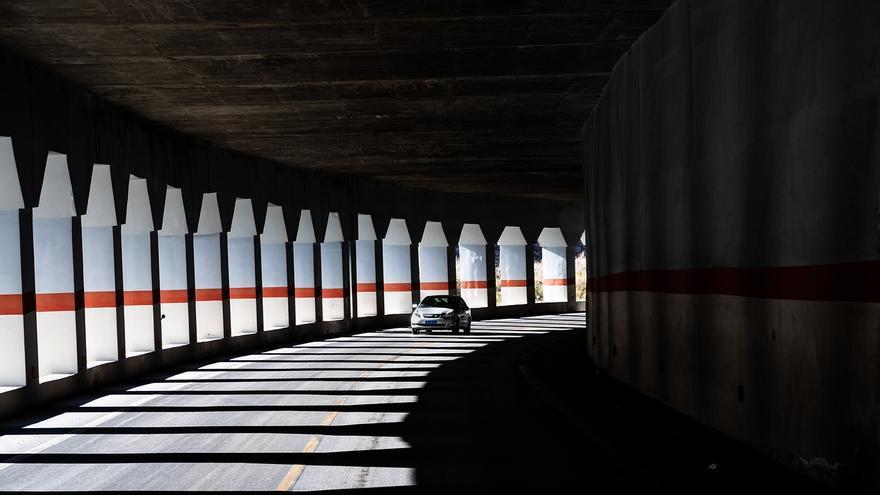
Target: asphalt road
point(382, 411)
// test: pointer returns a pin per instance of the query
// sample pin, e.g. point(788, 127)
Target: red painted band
point(513, 283)
point(100, 299)
point(138, 297)
point(859, 281)
point(304, 292)
point(434, 285)
point(398, 287)
point(366, 287)
point(332, 293)
point(59, 301)
point(209, 295)
point(474, 284)
point(242, 292)
point(11, 304)
point(276, 292)
point(558, 281)
point(171, 296)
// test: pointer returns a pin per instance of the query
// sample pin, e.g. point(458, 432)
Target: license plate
point(430, 322)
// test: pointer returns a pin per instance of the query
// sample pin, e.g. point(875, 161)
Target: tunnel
point(656, 222)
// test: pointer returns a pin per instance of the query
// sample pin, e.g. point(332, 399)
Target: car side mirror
point(415, 306)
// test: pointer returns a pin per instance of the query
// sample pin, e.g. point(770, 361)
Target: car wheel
point(467, 329)
point(428, 331)
point(415, 331)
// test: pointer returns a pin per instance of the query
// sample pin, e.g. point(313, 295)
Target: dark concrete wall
point(732, 178)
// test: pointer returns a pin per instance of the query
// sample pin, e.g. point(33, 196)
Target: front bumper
point(427, 324)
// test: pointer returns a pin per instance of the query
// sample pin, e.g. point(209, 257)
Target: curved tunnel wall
point(732, 177)
point(184, 206)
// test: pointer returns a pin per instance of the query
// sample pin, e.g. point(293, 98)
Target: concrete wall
point(732, 185)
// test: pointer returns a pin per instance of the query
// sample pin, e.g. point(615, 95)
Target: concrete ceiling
point(470, 96)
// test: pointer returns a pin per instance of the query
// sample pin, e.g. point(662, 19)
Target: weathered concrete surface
point(478, 96)
point(732, 183)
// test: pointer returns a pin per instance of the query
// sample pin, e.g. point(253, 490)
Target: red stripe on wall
point(558, 281)
point(398, 287)
point(100, 299)
point(858, 281)
point(304, 292)
point(242, 292)
point(209, 295)
point(513, 283)
point(474, 284)
point(59, 301)
point(138, 297)
point(367, 287)
point(434, 285)
point(11, 304)
point(171, 296)
point(275, 292)
point(331, 293)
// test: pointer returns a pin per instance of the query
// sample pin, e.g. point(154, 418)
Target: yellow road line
point(296, 470)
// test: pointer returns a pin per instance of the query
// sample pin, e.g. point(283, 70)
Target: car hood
point(433, 311)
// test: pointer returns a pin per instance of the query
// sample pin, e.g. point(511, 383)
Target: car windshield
point(438, 302)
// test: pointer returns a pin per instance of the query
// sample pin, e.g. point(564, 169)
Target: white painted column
point(242, 269)
point(332, 291)
point(173, 296)
point(512, 261)
point(137, 266)
point(53, 272)
point(304, 269)
point(273, 266)
point(433, 276)
point(366, 267)
point(472, 254)
point(206, 267)
point(580, 265)
point(555, 277)
point(12, 365)
point(396, 269)
point(99, 271)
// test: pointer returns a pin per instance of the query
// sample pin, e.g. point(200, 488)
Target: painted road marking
point(296, 470)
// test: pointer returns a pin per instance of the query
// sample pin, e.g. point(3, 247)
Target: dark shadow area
point(659, 448)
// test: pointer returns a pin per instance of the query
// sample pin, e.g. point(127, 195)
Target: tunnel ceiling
point(471, 96)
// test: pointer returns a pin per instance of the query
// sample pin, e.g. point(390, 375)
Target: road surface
point(387, 411)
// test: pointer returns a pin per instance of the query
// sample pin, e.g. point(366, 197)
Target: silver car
point(441, 312)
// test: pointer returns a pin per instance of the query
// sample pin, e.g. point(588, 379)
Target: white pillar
point(512, 261)
point(206, 266)
point(173, 296)
point(366, 266)
point(273, 266)
point(304, 269)
point(396, 269)
point(137, 266)
point(332, 291)
point(99, 271)
point(12, 365)
point(472, 255)
point(554, 279)
point(242, 269)
point(53, 272)
point(433, 276)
